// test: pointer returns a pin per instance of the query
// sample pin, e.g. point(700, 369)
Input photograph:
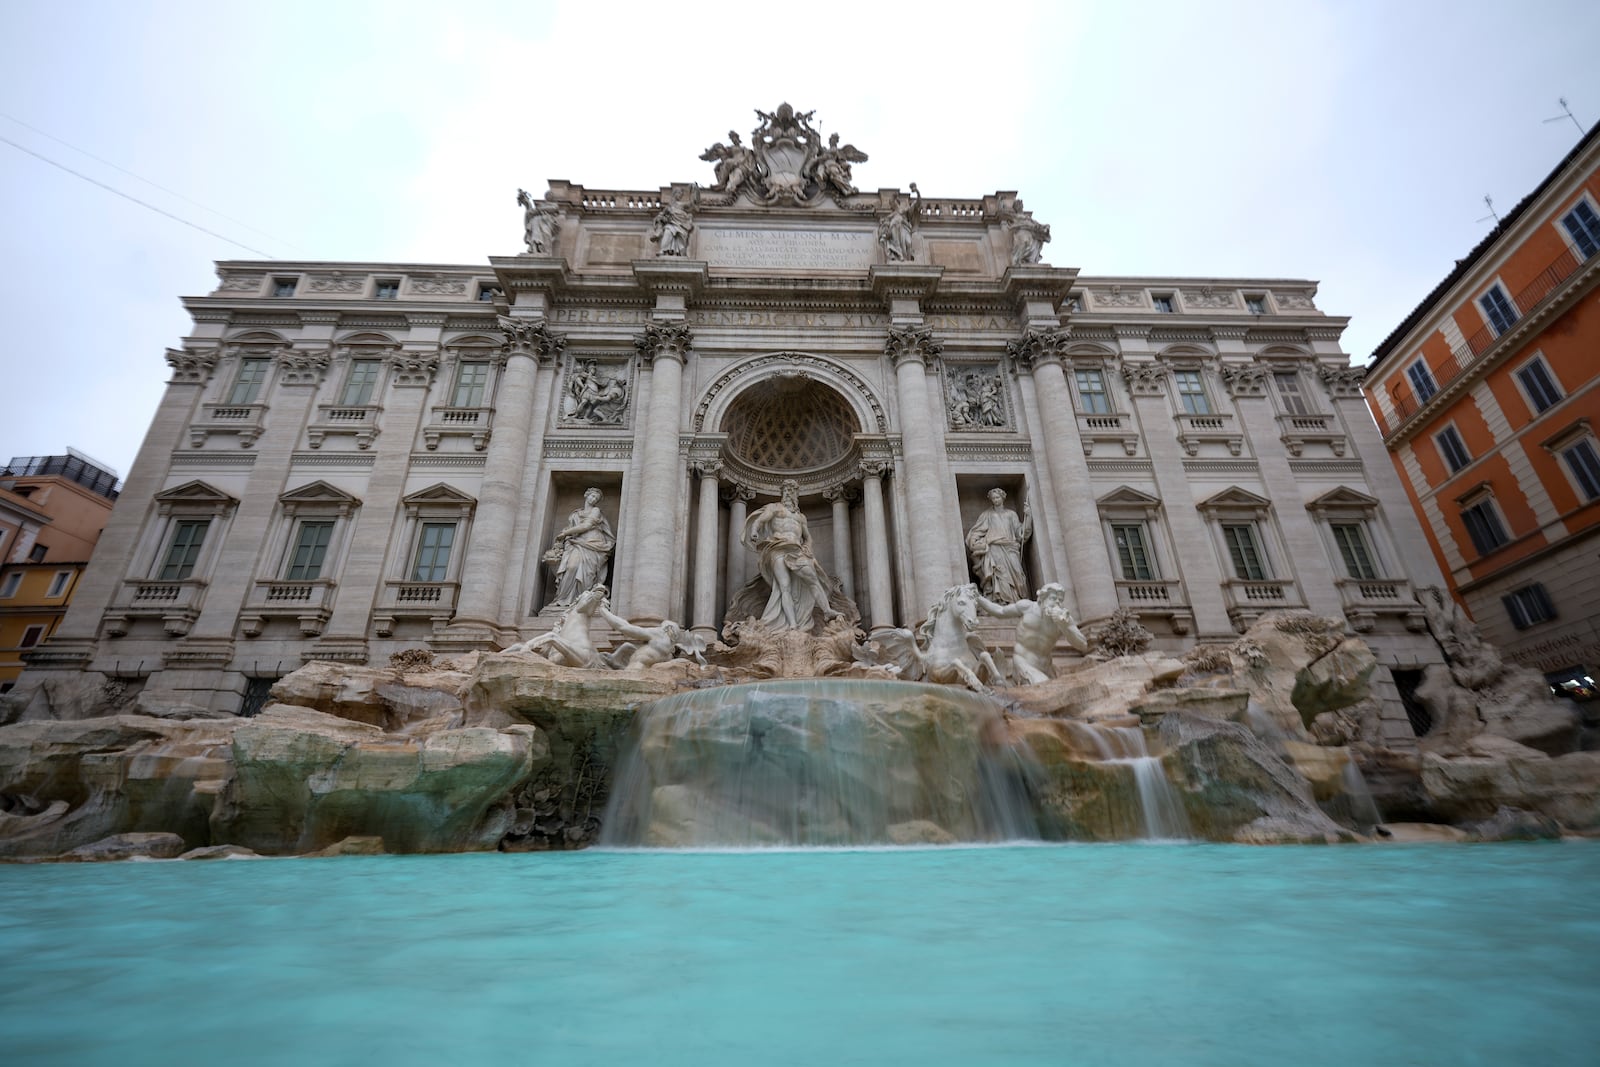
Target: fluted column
point(705, 551)
point(666, 347)
point(843, 564)
point(909, 349)
point(1092, 584)
point(738, 569)
point(880, 593)
point(531, 352)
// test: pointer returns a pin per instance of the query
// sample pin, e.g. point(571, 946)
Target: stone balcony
point(359, 421)
point(1114, 428)
point(1297, 431)
point(1365, 599)
point(435, 601)
point(458, 422)
point(308, 602)
point(176, 603)
point(1197, 430)
point(244, 421)
point(1249, 599)
point(1157, 596)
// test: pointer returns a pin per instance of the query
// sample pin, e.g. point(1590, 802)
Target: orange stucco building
point(1488, 397)
point(52, 509)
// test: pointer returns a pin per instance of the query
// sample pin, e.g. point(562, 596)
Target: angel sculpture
point(735, 164)
point(831, 168)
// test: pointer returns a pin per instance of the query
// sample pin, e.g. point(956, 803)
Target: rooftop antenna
point(1568, 114)
point(1493, 214)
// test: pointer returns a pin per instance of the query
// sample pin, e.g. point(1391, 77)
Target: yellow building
point(52, 509)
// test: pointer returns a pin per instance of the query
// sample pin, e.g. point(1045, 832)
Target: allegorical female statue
point(581, 550)
point(995, 543)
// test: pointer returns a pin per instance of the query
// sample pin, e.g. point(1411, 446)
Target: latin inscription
point(788, 249)
point(810, 320)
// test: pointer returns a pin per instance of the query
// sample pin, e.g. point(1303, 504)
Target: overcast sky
point(1346, 142)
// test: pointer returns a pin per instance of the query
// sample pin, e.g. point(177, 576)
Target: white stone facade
point(1195, 449)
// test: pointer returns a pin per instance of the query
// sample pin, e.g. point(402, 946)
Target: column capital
point(413, 368)
point(1036, 348)
point(732, 491)
point(1145, 379)
point(1244, 379)
point(191, 367)
point(671, 339)
point(874, 468)
point(843, 491)
point(300, 367)
point(1343, 382)
point(532, 338)
point(706, 467)
point(915, 343)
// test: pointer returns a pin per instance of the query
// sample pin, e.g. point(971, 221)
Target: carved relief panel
point(975, 398)
point(597, 391)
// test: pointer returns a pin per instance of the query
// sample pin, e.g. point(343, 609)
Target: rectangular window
point(1353, 549)
point(283, 286)
point(246, 387)
point(8, 589)
point(1294, 400)
point(1421, 380)
point(1132, 553)
point(1092, 391)
point(1484, 527)
point(187, 537)
point(433, 551)
point(1192, 392)
point(1162, 304)
point(1244, 549)
point(31, 636)
point(37, 552)
point(362, 381)
point(58, 584)
point(1584, 462)
point(388, 289)
point(488, 293)
point(310, 546)
point(1256, 305)
point(1497, 309)
point(1074, 303)
point(1540, 385)
point(471, 380)
point(1451, 448)
point(1583, 224)
point(1529, 606)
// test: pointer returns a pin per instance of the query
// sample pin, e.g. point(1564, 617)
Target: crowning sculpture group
point(787, 162)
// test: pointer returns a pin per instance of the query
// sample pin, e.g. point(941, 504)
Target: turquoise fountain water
point(1080, 954)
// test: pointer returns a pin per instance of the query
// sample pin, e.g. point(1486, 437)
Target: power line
point(136, 200)
point(137, 177)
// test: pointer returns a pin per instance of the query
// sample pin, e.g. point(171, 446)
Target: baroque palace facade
point(357, 458)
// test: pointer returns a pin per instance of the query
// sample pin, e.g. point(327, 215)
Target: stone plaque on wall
point(788, 249)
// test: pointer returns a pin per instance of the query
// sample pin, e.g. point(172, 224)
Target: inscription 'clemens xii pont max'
point(798, 249)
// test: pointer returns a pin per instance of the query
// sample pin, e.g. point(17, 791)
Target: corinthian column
point(705, 552)
point(880, 594)
point(843, 564)
point(738, 556)
point(1096, 592)
point(909, 348)
point(665, 346)
point(531, 351)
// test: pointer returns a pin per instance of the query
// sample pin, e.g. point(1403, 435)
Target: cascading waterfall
point(1162, 812)
point(819, 762)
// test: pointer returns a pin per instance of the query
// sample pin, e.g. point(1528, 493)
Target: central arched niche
point(790, 426)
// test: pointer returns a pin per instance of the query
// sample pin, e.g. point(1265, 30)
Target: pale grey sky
point(1349, 142)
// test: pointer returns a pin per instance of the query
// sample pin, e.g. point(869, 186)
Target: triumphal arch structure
point(352, 459)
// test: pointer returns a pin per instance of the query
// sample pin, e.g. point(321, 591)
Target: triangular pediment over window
point(440, 494)
point(196, 492)
point(319, 492)
point(1235, 497)
point(1126, 496)
point(1343, 497)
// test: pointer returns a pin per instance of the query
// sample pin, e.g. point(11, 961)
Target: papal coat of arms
point(786, 161)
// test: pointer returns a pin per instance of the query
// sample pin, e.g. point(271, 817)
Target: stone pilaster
point(909, 349)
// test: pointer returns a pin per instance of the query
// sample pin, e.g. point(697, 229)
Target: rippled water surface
point(1103, 954)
